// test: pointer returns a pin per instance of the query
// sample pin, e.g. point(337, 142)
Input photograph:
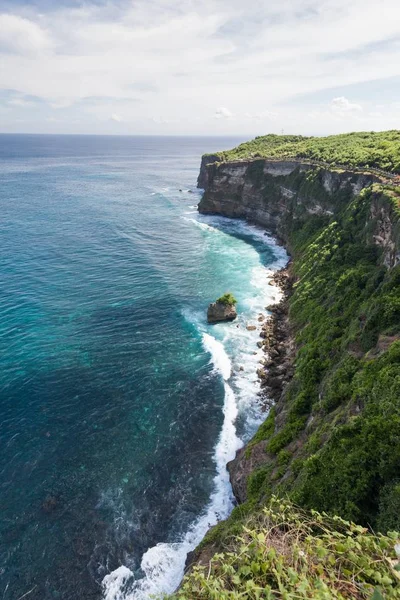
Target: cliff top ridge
point(358, 150)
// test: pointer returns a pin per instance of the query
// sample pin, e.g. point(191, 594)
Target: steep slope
point(282, 195)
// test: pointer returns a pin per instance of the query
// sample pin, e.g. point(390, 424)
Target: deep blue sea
point(119, 405)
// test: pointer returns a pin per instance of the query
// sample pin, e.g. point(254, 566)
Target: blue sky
point(204, 67)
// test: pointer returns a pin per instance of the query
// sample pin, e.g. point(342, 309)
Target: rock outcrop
point(384, 234)
point(219, 311)
point(205, 173)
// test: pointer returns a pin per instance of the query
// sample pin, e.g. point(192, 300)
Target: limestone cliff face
point(385, 233)
point(205, 173)
point(275, 193)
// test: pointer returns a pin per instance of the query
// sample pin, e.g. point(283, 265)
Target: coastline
point(340, 226)
point(275, 373)
point(276, 346)
point(235, 356)
point(276, 369)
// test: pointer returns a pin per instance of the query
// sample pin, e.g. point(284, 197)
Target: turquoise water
point(119, 404)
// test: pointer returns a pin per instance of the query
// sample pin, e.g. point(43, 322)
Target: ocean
point(120, 406)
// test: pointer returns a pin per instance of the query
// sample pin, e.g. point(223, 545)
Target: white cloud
point(223, 113)
point(19, 102)
point(375, 114)
point(22, 36)
point(179, 60)
point(261, 116)
point(343, 106)
point(116, 118)
point(61, 103)
point(160, 120)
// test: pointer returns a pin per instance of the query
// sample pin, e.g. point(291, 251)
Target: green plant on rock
point(227, 299)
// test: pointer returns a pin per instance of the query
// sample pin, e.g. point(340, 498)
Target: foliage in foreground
point(228, 299)
point(360, 149)
point(286, 553)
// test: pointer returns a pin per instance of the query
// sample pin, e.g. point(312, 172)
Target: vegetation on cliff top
point(283, 552)
point(362, 150)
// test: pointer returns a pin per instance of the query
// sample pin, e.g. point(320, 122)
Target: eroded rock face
point(204, 175)
point(277, 194)
point(273, 193)
point(247, 460)
point(385, 233)
point(218, 311)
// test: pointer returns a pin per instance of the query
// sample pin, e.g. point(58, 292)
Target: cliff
point(352, 211)
point(331, 440)
point(277, 193)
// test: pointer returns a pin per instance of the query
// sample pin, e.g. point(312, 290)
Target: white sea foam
point(236, 357)
point(255, 231)
point(203, 226)
point(219, 356)
point(163, 565)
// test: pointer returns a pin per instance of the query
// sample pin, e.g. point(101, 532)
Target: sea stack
point(223, 309)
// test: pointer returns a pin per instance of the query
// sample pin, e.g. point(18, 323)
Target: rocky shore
point(276, 371)
point(277, 343)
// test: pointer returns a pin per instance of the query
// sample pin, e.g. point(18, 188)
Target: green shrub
point(339, 387)
point(389, 506)
point(256, 481)
point(286, 435)
point(284, 457)
point(266, 429)
point(228, 299)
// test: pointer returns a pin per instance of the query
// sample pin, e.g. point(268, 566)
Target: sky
point(204, 67)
